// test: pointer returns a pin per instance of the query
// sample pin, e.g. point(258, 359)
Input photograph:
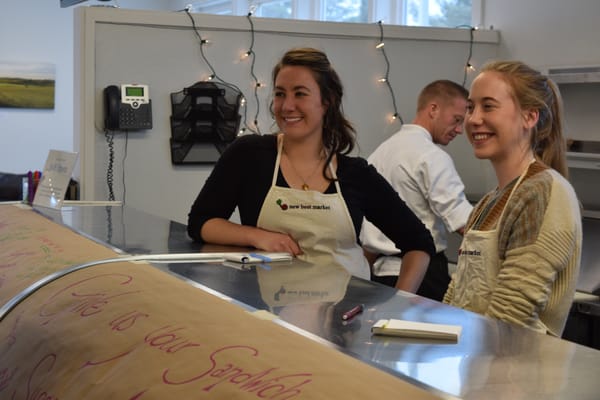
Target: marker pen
point(261, 257)
point(353, 312)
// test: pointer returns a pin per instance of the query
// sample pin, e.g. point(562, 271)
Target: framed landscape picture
point(27, 85)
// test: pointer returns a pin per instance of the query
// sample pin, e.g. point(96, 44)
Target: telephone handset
point(127, 107)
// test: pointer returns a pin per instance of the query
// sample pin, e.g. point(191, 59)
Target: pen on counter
point(261, 257)
point(353, 312)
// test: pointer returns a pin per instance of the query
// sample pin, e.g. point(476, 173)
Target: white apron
point(478, 265)
point(319, 222)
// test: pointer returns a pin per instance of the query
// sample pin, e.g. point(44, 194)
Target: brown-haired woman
point(298, 190)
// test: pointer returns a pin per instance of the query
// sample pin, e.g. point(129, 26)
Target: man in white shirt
point(426, 179)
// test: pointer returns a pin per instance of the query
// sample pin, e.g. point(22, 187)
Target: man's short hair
point(443, 89)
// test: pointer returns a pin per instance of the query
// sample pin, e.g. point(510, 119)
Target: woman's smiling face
point(297, 102)
point(494, 122)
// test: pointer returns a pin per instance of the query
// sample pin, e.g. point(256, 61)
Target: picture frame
point(27, 85)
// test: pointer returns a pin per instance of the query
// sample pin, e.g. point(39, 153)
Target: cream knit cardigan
point(539, 248)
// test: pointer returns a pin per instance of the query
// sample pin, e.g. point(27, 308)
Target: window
point(273, 9)
point(442, 13)
point(213, 7)
point(438, 13)
point(345, 11)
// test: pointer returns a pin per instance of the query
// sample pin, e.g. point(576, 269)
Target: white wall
point(547, 33)
point(40, 31)
point(550, 34)
point(541, 32)
point(30, 32)
point(160, 49)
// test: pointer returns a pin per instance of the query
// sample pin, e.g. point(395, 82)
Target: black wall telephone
point(127, 107)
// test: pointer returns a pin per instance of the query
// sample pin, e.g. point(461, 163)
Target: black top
point(244, 173)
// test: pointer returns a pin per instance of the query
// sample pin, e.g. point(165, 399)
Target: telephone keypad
point(135, 118)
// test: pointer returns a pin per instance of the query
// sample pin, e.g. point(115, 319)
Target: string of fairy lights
point(213, 75)
point(468, 65)
point(250, 54)
point(386, 78)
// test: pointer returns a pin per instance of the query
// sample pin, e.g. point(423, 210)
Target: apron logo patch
point(284, 206)
point(279, 292)
point(462, 252)
point(281, 204)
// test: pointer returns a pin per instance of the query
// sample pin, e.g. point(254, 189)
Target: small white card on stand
point(57, 172)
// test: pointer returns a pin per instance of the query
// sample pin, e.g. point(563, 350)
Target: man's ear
point(434, 110)
point(530, 118)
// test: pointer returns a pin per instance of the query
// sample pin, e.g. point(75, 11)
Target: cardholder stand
point(204, 120)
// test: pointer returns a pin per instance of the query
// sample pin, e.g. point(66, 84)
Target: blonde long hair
point(534, 91)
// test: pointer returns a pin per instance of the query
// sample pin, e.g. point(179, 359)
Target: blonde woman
point(519, 259)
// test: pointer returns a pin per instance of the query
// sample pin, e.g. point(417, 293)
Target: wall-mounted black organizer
point(205, 119)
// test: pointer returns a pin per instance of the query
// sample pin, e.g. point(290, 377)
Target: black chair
point(11, 186)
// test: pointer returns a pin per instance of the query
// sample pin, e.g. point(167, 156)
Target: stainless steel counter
point(492, 360)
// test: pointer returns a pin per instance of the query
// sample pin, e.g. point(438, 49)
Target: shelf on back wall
point(575, 74)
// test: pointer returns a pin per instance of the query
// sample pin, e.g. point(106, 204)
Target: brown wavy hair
point(339, 135)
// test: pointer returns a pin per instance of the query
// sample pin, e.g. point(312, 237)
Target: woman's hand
point(275, 242)
point(221, 231)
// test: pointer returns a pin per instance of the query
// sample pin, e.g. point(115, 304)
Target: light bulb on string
point(393, 118)
point(385, 79)
point(251, 56)
point(468, 66)
point(380, 44)
point(244, 55)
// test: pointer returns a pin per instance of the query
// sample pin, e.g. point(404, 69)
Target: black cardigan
point(243, 175)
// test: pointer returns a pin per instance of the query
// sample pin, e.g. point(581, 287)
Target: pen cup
point(29, 186)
